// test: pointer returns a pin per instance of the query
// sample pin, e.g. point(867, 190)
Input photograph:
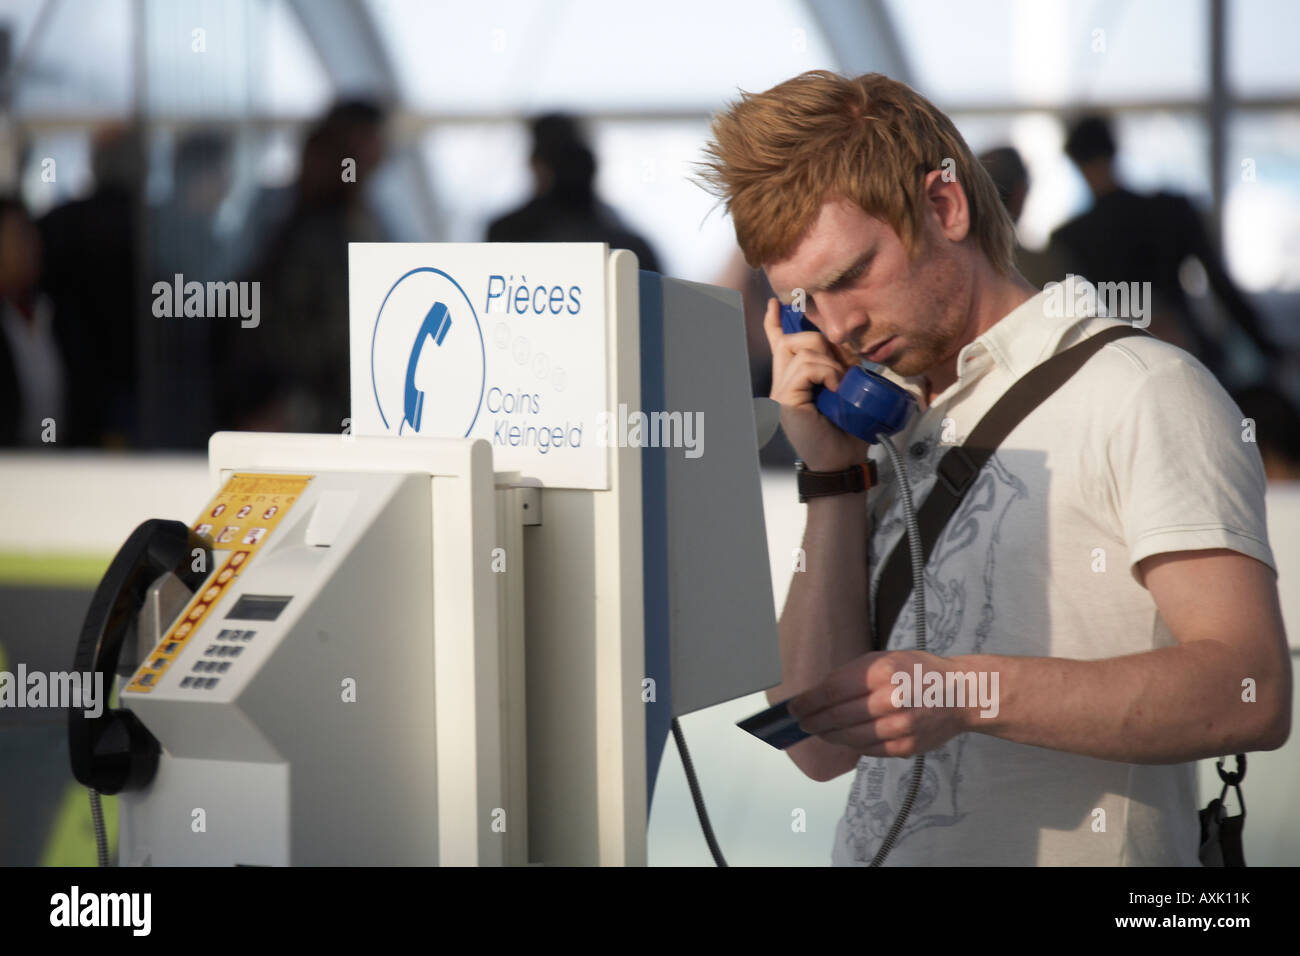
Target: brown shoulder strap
point(958, 467)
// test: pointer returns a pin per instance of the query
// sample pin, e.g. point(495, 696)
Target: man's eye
point(846, 280)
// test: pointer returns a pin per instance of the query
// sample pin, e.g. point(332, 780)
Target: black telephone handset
point(115, 752)
point(866, 404)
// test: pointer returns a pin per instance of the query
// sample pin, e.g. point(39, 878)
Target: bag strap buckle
point(1234, 777)
point(956, 471)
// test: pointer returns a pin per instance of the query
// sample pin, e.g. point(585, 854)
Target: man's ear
point(946, 204)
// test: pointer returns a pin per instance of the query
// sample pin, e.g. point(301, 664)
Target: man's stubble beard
point(944, 315)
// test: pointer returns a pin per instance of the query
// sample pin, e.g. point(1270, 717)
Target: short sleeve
point(1185, 472)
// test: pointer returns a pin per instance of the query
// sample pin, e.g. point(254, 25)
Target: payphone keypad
point(217, 658)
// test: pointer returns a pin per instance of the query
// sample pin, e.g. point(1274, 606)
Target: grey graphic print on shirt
point(962, 563)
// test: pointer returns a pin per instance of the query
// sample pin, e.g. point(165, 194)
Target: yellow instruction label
point(236, 522)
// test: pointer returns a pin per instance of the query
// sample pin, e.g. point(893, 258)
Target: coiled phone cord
point(97, 820)
point(918, 603)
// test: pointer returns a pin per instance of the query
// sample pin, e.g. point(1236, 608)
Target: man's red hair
point(776, 157)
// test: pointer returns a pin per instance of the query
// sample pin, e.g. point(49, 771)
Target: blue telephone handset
point(435, 326)
point(867, 404)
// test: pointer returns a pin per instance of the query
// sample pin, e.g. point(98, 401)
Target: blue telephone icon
point(435, 327)
point(867, 405)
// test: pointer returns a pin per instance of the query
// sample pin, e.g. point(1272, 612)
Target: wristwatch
point(816, 484)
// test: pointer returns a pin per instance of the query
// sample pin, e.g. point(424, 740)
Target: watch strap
point(819, 484)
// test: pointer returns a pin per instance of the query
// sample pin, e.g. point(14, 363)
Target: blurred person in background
point(1011, 178)
point(183, 235)
point(1277, 429)
point(32, 374)
point(1127, 237)
point(755, 291)
point(564, 207)
point(291, 372)
point(90, 274)
point(183, 241)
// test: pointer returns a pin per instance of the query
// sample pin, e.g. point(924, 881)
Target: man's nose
point(842, 324)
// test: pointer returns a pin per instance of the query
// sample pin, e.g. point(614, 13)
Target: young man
point(1108, 574)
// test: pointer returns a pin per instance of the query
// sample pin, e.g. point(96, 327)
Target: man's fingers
point(861, 708)
point(772, 325)
point(778, 339)
point(804, 371)
point(898, 747)
point(841, 716)
point(846, 683)
point(866, 734)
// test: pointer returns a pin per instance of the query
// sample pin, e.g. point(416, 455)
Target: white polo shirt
point(1140, 452)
